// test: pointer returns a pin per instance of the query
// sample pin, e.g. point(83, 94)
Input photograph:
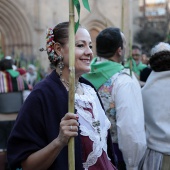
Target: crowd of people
point(121, 117)
point(14, 78)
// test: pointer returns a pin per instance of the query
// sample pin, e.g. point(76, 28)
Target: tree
point(148, 37)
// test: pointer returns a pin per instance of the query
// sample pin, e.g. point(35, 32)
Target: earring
point(60, 64)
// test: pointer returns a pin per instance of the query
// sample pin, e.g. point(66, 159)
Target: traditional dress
point(122, 100)
point(11, 81)
point(37, 126)
point(155, 95)
point(94, 127)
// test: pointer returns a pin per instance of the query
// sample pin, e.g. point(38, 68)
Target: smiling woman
point(48, 126)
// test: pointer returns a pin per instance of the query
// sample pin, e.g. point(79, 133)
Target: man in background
point(137, 65)
point(121, 96)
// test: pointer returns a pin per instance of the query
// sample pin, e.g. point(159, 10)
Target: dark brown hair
point(108, 41)
point(160, 61)
point(60, 32)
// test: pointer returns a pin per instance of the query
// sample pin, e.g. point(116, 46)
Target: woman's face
point(83, 52)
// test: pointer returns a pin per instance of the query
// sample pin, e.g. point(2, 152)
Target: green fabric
point(77, 5)
point(86, 4)
point(136, 68)
point(101, 72)
point(13, 73)
point(14, 83)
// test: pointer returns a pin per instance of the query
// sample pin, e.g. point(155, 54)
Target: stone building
point(23, 24)
point(155, 14)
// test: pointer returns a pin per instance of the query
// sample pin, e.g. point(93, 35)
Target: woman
point(43, 127)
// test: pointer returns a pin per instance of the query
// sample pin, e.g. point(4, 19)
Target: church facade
point(23, 24)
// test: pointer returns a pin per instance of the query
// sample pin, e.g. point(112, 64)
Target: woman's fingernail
point(77, 116)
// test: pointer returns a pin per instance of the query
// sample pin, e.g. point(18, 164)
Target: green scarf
point(13, 73)
point(101, 72)
point(136, 68)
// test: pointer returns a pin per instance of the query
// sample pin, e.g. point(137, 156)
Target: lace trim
point(90, 101)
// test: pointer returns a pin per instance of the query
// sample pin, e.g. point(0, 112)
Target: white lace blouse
point(95, 125)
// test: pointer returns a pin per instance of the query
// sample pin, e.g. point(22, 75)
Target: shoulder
point(47, 88)
point(122, 75)
point(125, 78)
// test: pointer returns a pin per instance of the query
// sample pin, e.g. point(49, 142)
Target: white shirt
point(126, 95)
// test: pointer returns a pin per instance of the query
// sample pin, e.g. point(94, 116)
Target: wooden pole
point(122, 17)
point(71, 154)
point(130, 37)
point(130, 52)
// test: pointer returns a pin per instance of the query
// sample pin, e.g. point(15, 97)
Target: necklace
point(76, 86)
point(66, 84)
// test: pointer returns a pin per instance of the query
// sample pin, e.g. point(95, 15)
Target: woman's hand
point(68, 128)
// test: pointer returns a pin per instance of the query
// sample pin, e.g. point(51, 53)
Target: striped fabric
point(3, 82)
point(10, 84)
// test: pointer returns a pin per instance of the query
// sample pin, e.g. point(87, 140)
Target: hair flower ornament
point(50, 45)
point(52, 56)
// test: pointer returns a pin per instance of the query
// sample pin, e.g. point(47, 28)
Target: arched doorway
point(15, 32)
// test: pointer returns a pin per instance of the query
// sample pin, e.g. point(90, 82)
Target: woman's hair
point(59, 34)
point(160, 57)
point(108, 41)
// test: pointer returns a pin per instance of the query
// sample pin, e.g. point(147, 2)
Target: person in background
point(10, 80)
point(31, 75)
point(26, 92)
point(14, 67)
point(137, 65)
point(155, 95)
point(121, 96)
point(144, 74)
point(144, 58)
point(22, 72)
point(48, 126)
